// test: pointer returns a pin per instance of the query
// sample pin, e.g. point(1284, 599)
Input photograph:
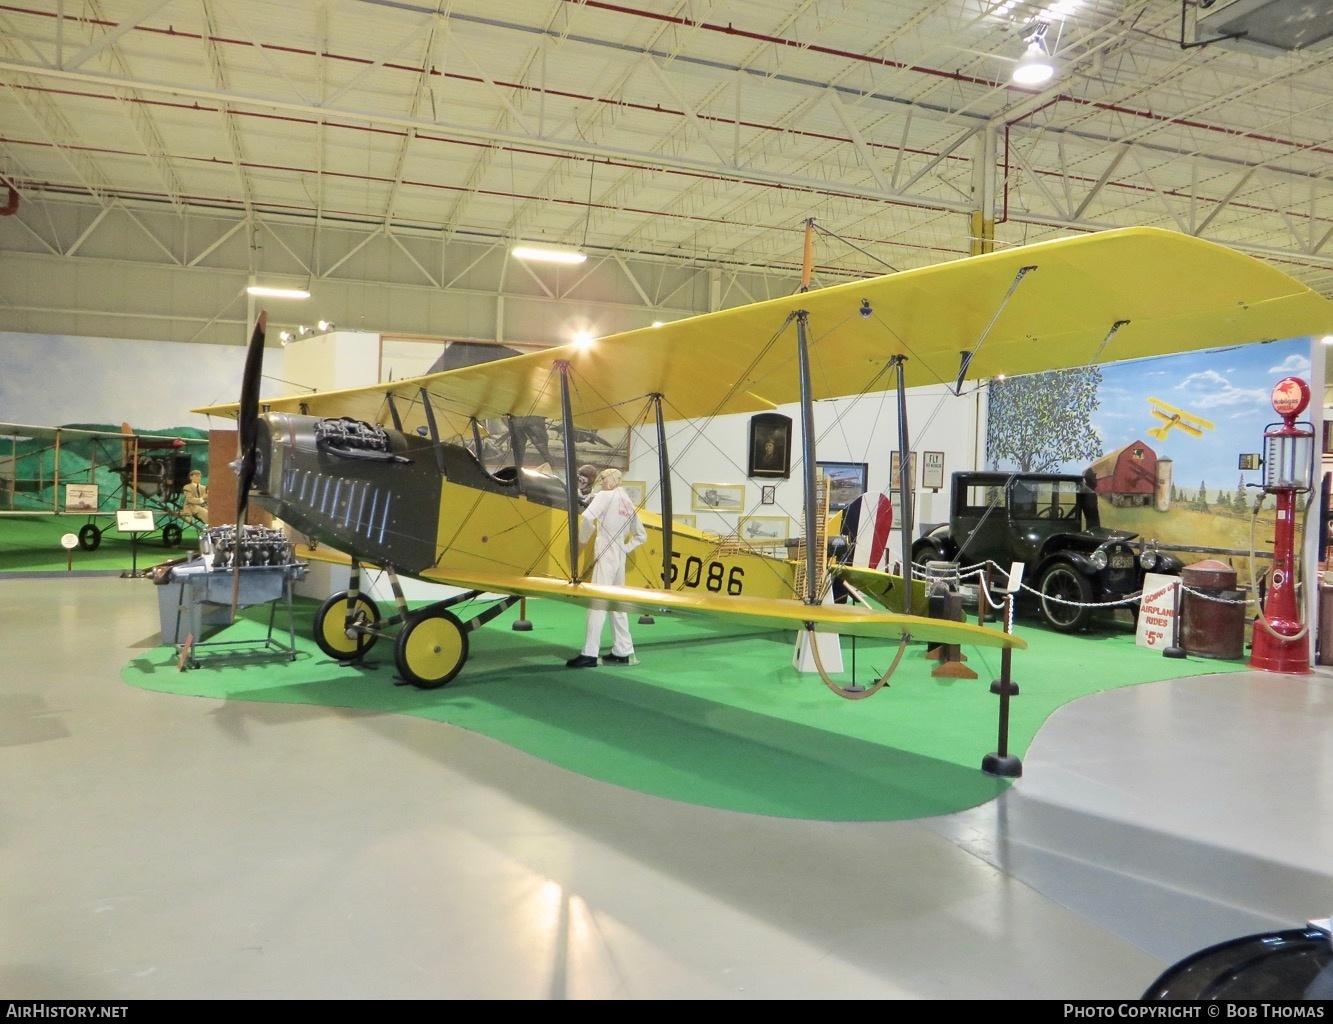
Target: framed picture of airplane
point(847, 481)
point(762, 530)
point(685, 520)
point(717, 497)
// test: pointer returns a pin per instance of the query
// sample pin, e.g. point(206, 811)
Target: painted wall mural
point(1164, 437)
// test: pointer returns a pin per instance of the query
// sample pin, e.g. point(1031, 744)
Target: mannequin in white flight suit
point(618, 532)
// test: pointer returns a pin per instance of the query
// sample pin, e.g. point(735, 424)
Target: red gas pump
point(1281, 642)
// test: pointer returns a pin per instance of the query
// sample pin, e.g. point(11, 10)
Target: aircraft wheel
point(171, 534)
point(90, 537)
point(431, 648)
point(332, 634)
point(1065, 593)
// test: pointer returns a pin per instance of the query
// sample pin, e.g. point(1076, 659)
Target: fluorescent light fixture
point(545, 254)
point(278, 293)
point(1034, 67)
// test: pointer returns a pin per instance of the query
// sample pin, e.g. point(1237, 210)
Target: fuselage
point(430, 510)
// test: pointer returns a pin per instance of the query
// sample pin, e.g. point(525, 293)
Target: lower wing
point(765, 612)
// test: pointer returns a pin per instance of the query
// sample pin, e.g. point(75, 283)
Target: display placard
point(1157, 612)
point(932, 470)
point(134, 520)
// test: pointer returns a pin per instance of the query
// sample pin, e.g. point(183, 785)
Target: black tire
point(1065, 596)
point(171, 534)
point(331, 626)
point(90, 537)
point(924, 551)
point(431, 648)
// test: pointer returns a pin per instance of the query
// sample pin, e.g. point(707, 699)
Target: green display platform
point(716, 719)
point(30, 544)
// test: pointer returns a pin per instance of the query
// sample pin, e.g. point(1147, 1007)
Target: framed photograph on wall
point(684, 520)
point(768, 495)
point(895, 463)
point(770, 445)
point(636, 489)
point(847, 481)
point(762, 530)
point(717, 497)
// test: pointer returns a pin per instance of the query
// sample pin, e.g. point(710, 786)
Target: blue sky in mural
point(1230, 388)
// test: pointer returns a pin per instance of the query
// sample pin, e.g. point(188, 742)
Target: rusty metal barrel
point(1212, 611)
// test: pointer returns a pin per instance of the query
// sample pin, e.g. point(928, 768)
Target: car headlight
point(1098, 559)
point(1148, 559)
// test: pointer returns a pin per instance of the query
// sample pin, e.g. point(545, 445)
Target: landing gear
point(431, 648)
point(431, 645)
point(343, 624)
point(90, 537)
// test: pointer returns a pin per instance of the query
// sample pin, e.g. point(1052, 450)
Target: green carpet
point(31, 544)
point(719, 719)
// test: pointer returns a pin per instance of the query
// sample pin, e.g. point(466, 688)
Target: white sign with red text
point(1157, 612)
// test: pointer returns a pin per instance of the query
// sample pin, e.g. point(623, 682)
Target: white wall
point(846, 430)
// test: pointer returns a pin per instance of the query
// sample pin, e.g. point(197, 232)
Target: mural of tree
point(1041, 421)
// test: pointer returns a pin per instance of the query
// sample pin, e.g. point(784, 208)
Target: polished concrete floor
point(155, 846)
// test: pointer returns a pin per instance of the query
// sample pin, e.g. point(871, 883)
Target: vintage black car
point(1037, 519)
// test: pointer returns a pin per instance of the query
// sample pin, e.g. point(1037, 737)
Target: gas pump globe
point(1281, 642)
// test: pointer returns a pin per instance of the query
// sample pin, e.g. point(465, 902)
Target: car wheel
point(1065, 596)
point(926, 551)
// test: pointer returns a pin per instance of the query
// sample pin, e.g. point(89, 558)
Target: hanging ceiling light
point(1035, 66)
point(278, 293)
point(548, 254)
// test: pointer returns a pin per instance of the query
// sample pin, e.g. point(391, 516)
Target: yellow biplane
point(1170, 416)
point(370, 471)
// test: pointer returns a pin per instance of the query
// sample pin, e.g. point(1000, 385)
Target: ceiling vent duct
point(1265, 27)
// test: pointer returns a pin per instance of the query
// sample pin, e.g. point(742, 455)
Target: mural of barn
point(1129, 477)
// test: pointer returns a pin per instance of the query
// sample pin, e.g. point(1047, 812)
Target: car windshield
point(1025, 498)
point(1044, 499)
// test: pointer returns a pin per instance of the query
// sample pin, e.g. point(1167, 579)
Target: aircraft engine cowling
point(370, 492)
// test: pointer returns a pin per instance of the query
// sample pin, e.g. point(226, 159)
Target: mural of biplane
point(1170, 416)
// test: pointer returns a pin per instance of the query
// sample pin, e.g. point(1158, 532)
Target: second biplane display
point(369, 472)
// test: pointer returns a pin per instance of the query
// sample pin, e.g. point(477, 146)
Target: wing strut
point(476, 443)
point(808, 458)
point(967, 356)
point(433, 427)
point(571, 477)
point(664, 471)
point(904, 484)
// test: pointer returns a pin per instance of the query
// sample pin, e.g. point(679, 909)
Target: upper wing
point(1167, 292)
point(25, 431)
